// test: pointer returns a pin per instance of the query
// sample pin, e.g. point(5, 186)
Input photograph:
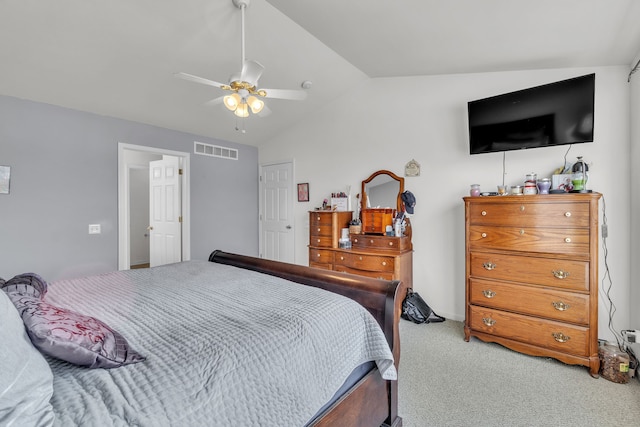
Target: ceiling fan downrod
point(242, 5)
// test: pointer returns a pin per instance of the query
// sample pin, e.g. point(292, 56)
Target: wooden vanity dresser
point(382, 257)
point(532, 274)
point(372, 254)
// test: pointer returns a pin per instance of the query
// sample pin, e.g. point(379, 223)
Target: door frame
point(261, 203)
point(124, 238)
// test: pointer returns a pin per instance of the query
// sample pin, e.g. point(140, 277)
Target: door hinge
point(260, 178)
point(180, 218)
point(180, 171)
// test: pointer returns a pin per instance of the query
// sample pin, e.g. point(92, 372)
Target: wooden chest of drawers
point(389, 258)
point(532, 274)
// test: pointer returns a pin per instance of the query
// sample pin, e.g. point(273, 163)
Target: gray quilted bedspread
point(224, 347)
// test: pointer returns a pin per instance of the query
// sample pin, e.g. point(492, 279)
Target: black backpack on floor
point(415, 309)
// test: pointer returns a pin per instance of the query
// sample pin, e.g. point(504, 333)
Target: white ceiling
point(118, 57)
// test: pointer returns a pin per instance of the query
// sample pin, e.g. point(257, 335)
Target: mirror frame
point(363, 193)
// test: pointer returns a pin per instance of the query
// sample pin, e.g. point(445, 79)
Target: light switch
point(94, 229)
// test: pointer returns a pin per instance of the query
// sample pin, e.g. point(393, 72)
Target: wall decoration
point(412, 168)
point(303, 192)
point(5, 177)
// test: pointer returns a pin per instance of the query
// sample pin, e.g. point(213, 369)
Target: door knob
point(150, 227)
point(288, 227)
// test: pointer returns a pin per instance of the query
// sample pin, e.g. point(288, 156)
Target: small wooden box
point(375, 221)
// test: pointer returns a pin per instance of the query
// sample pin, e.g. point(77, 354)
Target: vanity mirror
point(380, 200)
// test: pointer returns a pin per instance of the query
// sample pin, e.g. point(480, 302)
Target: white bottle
point(398, 228)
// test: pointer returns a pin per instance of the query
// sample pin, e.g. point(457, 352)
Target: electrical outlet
point(631, 335)
point(94, 229)
point(605, 231)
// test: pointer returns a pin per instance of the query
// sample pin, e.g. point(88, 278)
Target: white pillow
point(26, 381)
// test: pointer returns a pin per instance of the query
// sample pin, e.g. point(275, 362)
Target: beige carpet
point(445, 381)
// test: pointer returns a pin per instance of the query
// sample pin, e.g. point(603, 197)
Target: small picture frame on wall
point(5, 178)
point(303, 192)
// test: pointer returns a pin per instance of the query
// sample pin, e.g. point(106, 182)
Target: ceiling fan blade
point(265, 112)
point(295, 95)
point(196, 79)
point(251, 72)
point(215, 101)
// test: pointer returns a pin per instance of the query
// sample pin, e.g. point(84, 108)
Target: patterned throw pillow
point(76, 338)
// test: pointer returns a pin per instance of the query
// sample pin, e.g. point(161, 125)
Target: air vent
point(214, 150)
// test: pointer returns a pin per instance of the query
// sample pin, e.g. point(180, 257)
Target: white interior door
point(165, 229)
point(276, 212)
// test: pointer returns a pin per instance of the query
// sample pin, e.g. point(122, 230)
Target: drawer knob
point(560, 337)
point(390, 243)
point(355, 240)
point(318, 255)
point(560, 274)
point(567, 239)
point(488, 321)
point(560, 306)
point(521, 232)
point(341, 258)
point(484, 235)
point(371, 241)
point(567, 214)
point(318, 240)
point(319, 229)
point(488, 293)
point(360, 258)
point(384, 263)
point(483, 213)
point(488, 266)
point(521, 208)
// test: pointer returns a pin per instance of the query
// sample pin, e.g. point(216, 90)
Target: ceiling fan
point(245, 94)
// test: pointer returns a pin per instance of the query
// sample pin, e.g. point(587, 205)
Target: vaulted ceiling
point(118, 57)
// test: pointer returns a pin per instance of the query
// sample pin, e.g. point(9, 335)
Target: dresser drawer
point(375, 274)
point(320, 256)
point(323, 241)
point(381, 242)
point(559, 273)
point(523, 213)
point(320, 218)
point(364, 262)
point(543, 302)
point(562, 337)
point(320, 230)
point(569, 241)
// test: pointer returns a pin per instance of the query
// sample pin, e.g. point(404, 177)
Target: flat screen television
point(543, 116)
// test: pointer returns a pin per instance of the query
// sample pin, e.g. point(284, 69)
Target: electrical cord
point(564, 167)
point(633, 70)
point(607, 276)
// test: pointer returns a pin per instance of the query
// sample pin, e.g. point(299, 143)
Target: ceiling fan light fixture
point(255, 104)
point(232, 101)
point(242, 110)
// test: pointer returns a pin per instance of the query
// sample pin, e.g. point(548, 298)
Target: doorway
point(277, 238)
point(133, 193)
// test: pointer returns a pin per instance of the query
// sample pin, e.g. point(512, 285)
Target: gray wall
point(64, 167)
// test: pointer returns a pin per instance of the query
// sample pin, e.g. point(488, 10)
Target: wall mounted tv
point(543, 116)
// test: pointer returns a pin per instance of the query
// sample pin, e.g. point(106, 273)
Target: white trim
point(123, 201)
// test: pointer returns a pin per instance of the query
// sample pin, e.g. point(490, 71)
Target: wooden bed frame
point(372, 401)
